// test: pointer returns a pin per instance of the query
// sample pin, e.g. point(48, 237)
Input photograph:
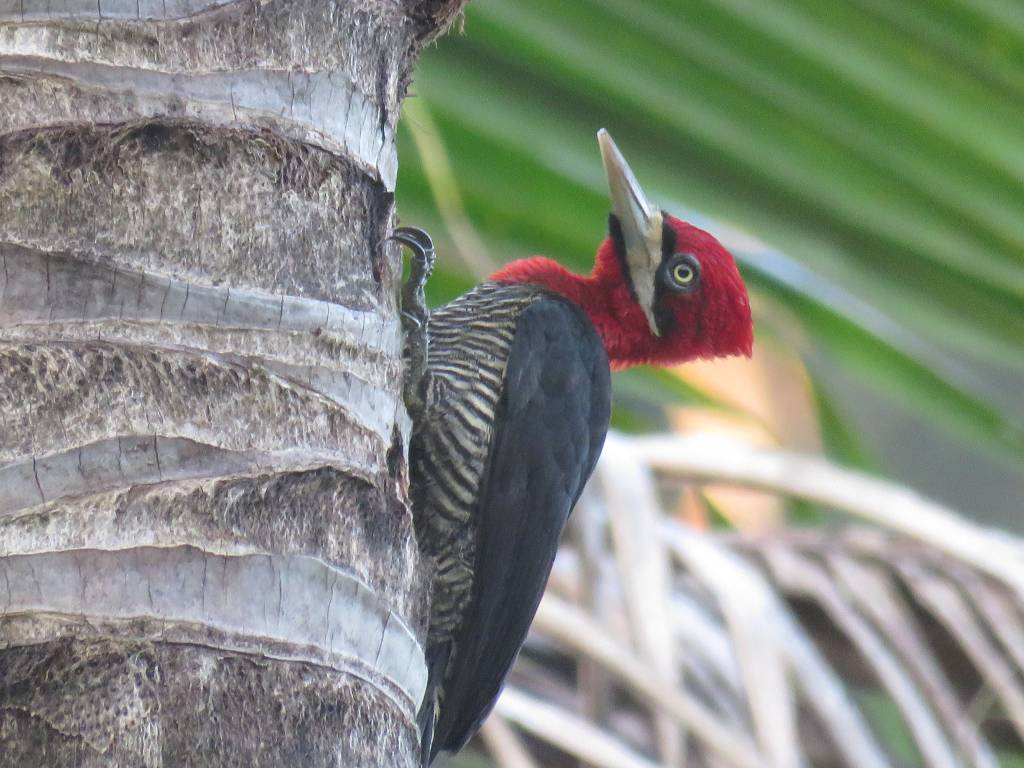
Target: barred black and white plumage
point(469, 341)
point(516, 376)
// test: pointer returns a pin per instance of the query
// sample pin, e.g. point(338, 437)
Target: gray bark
point(206, 552)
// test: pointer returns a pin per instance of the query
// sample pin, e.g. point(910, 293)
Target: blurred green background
point(864, 160)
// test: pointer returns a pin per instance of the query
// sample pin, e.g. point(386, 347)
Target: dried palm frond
point(892, 636)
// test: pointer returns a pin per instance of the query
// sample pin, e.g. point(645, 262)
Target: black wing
point(549, 428)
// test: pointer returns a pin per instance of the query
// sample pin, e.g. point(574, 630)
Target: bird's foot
point(415, 315)
point(423, 254)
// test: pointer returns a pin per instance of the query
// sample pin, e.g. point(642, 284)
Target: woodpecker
point(510, 393)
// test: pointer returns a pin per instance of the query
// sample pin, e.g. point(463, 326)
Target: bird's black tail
point(426, 719)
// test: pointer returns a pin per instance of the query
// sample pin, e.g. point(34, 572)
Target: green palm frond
point(877, 146)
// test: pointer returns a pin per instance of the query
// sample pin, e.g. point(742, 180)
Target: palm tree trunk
point(206, 555)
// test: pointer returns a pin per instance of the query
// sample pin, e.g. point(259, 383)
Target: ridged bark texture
point(206, 552)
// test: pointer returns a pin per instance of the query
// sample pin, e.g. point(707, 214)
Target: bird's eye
point(681, 273)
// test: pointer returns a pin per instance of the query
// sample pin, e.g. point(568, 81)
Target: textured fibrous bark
point(206, 554)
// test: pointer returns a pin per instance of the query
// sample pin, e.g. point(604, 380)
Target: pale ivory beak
point(641, 225)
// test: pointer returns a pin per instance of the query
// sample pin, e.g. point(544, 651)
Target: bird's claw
point(422, 247)
point(415, 315)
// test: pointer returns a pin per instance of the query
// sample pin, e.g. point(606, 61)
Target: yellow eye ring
point(682, 274)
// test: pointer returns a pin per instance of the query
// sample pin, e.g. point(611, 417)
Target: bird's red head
point(661, 292)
